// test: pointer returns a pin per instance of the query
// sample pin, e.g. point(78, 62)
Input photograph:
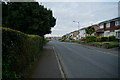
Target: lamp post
point(78, 29)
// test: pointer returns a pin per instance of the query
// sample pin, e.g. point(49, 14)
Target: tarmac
point(49, 67)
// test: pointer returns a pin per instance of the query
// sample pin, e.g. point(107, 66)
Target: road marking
point(95, 49)
point(60, 65)
point(107, 53)
point(100, 51)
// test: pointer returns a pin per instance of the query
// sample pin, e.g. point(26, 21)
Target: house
point(68, 36)
point(75, 35)
point(96, 27)
point(82, 33)
point(109, 28)
point(71, 35)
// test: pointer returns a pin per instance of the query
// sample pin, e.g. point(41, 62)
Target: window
point(107, 25)
point(117, 23)
point(101, 26)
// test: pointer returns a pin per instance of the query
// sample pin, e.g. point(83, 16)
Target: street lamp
point(78, 29)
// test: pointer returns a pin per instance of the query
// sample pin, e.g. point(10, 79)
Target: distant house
point(96, 27)
point(75, 35)
point(109, 28)
point(68, 36)
point(82, 33)
point(71, 35)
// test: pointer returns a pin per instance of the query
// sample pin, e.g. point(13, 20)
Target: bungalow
point(109, 28)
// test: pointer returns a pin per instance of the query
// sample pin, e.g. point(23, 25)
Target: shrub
point(18, 51)
point(91, 38)
point(104, 39)
point(45, 41)
point(112, 38)
point(98, 39)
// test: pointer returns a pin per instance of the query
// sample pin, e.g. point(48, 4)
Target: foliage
point(28, 17)
point(112, 38)
point(104, 39)
point(19, 50)
point(91, 38)
point(45, 41)
point(90, 30)
point(98, 39)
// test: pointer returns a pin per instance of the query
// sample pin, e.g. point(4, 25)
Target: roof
point(82, 29)
point(114, 19)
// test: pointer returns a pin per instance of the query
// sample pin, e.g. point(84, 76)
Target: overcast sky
point(87, 13)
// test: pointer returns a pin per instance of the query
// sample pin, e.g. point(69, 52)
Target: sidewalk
point(47, 66)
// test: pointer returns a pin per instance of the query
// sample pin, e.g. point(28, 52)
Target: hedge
point(112, 38)
point(19, 50)
point(91, 38)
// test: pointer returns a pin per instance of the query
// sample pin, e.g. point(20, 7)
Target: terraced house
point(109, 28)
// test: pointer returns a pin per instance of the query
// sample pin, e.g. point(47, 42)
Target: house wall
point(75, 33)
point(109, 31)
point(82, 33)
point(117, 33)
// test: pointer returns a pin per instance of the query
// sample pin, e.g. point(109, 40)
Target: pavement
point(48, 66)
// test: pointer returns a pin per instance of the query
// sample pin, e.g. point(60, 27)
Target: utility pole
point(78, 29)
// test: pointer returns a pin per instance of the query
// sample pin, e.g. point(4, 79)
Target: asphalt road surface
point(81, 62)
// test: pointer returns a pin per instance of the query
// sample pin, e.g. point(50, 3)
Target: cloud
point(86, 13)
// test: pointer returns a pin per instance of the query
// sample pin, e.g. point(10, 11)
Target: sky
point(87, 12)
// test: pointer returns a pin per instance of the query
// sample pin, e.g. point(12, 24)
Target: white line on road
point(60, 65)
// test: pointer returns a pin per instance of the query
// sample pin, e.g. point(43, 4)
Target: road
point(81, 62)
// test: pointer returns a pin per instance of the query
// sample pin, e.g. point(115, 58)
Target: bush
point(45, 41)
point(98, 39)
point(112, 38)
point(19, 50)
point(91, 38)
point(104, 39)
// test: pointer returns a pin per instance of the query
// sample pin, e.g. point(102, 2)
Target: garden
point(101, 42)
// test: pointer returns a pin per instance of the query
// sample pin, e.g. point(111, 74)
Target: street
point(81, 62)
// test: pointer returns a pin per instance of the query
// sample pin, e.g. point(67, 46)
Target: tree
point(28, 17)
point(89, 30)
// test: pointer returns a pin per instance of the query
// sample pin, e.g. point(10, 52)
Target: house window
point(101, 26)
point(107, 25)
point(117, 23)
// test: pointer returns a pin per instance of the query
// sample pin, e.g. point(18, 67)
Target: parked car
point(83, 39)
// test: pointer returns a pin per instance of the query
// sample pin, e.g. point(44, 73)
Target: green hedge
point(19, 50)
point(112, 38)
point(91, 38)
point(104, 39)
